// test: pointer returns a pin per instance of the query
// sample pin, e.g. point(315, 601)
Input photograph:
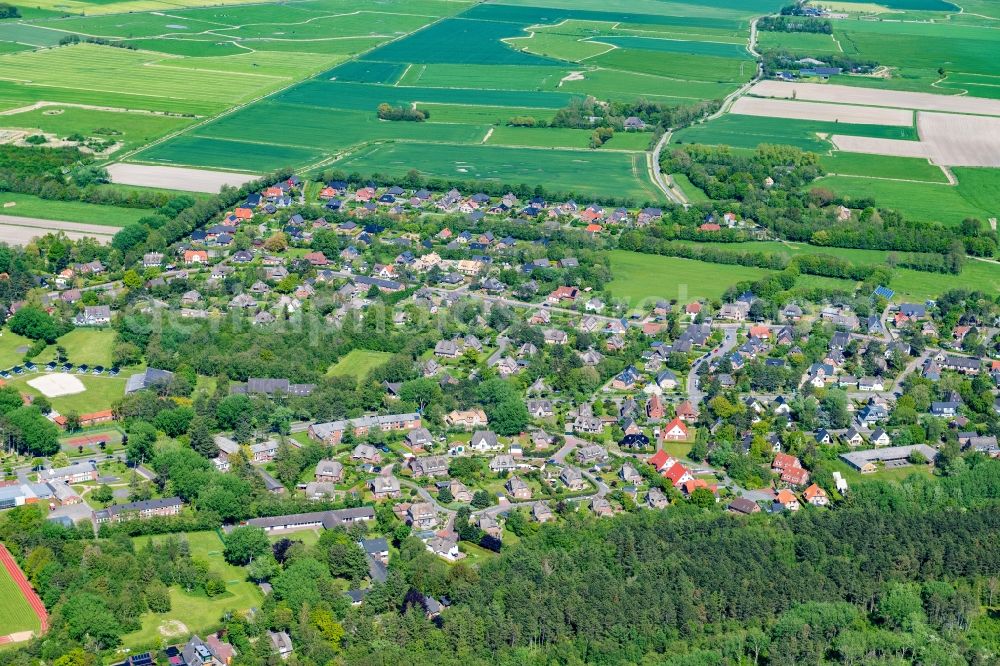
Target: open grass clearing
point(196, 613)
point(358, 363)
point(90, 346)
point(640, 278)
point(907, 283)
point(12, 348)
point(132, 129)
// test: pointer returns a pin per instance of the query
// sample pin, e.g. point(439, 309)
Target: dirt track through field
point(175, 178)
point(818, 92)
point(17, 230)
point(7, 561)
point(844, 113)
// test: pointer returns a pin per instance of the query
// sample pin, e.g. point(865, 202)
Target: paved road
point(695, 394)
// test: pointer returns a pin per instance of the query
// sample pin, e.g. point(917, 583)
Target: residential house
point(422, 516)
point(573, 478)
point(517, 488)
point(429, 466)
point(815, 495)
point(742, 505)
point(675, 431)
point(331, 471)
point(483, 441)
point(384, 487)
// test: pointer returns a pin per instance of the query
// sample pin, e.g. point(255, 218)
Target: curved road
point(662, 181)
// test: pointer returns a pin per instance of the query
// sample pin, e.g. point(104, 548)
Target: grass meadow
point(641, 277)
point(358, 363)
point(196, 613)
point(976, 195)
point(882, 166)
point(26, 205)
point(907, 283)
point(101, 393)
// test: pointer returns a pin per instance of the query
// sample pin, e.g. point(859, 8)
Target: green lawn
point(358, 363)
point(15, 613)
point(196, 612)
point(90, 346)
point(854, 477)
point(638, 277)
point(26, 205)
point(308, 537)
point(12, 348)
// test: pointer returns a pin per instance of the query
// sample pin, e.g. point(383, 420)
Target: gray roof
point(326, 518)
point(148, 379)
point(859, 459)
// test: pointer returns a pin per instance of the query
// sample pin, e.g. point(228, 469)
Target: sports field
point(101, 393)
point(16, 613)
point(358, 363)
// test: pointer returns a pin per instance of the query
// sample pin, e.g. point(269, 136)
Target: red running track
point(7, 560)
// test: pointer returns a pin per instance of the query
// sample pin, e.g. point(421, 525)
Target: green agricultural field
point(15, 612)
point(797, 42)
point(26, 205)
point(303, 127)
point(495, 77)
point(89, 346)
point(196, 613)
point(678, 65)
point(589, 172)
point(751, 131)
point(882, 166)
point(187, 150)
point(481, 115)
point(643, 277)
point(555, 137)
point(128, 79)
point(358, 363)
point(467, 70)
